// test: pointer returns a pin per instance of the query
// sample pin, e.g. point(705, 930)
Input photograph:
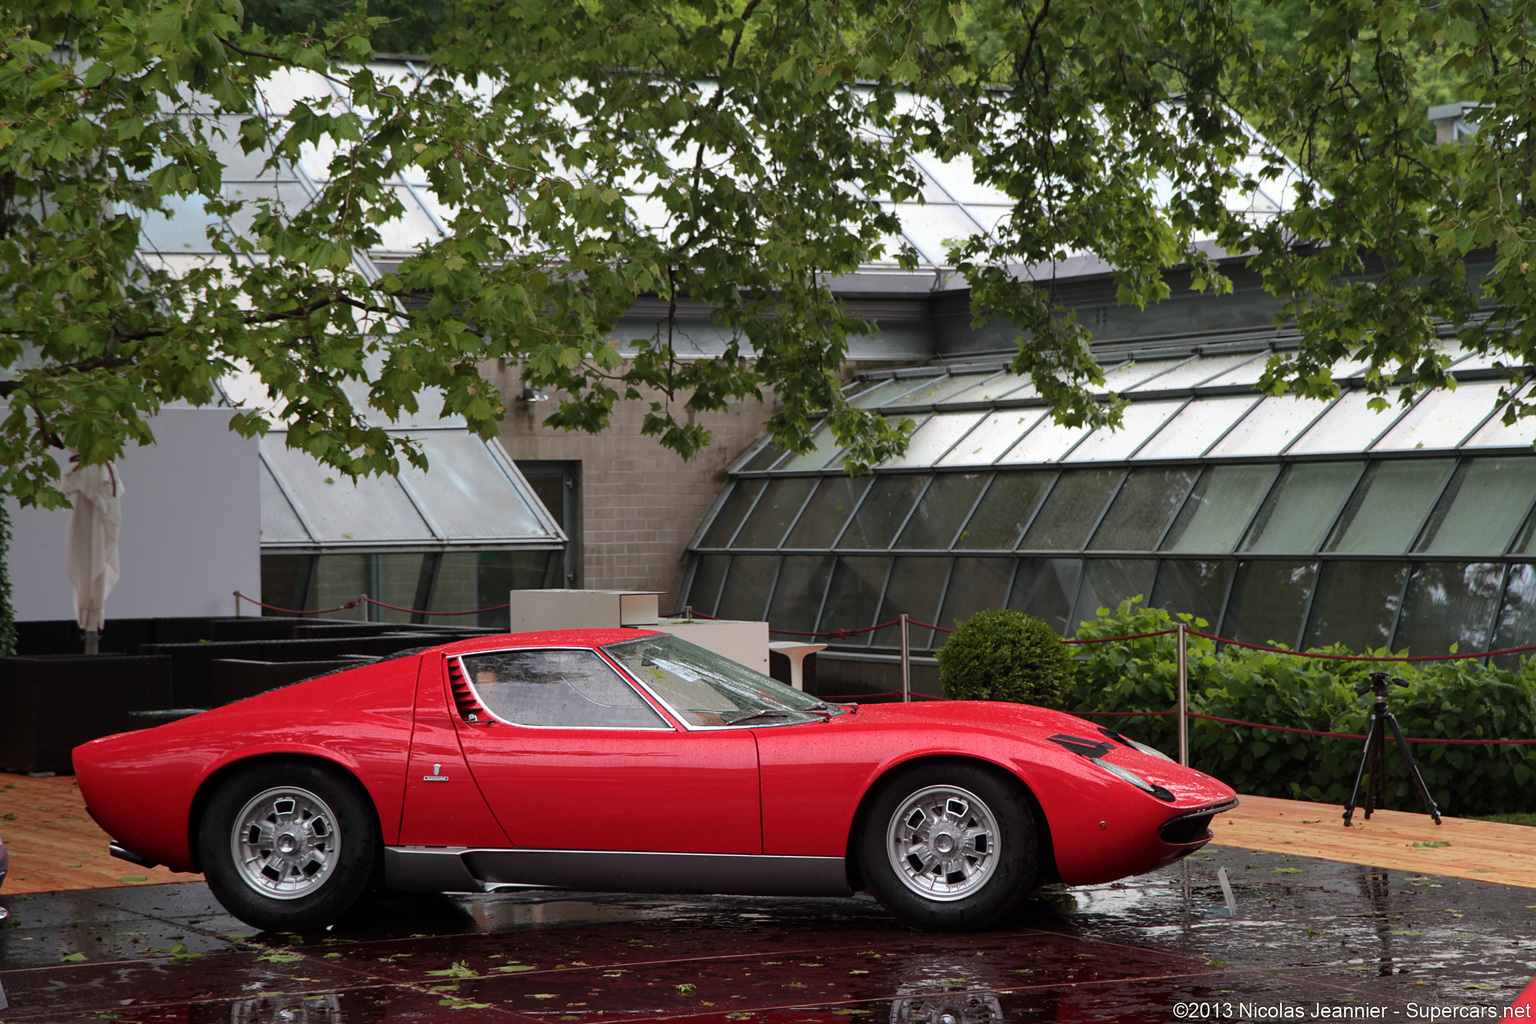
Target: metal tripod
point(1373, 759)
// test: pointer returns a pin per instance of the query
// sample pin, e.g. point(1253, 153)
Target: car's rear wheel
point(948, 846)
point(289, 845)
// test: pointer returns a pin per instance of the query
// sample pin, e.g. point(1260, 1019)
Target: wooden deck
point(54, 845)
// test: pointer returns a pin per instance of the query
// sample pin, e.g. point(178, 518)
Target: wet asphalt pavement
point(1310, 940)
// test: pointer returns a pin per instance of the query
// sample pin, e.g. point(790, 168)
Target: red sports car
point(628, 760)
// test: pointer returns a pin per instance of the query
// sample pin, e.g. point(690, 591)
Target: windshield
point(705, 688)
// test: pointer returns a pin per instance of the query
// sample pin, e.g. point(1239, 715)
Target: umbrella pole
point(92, 641)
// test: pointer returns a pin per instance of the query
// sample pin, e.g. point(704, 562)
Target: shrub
point(1006, 655)
point(1443, 700)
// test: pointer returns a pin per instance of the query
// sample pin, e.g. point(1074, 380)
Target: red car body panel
point(439, 780)
point(840, 760)
point(140, 786)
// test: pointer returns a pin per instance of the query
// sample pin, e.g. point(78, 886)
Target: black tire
point(289, 845)
point(948, 846)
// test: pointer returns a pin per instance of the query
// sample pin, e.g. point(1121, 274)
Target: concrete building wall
point(640, 502)
point(191, 528)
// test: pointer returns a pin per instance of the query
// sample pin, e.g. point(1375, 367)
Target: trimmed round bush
point(1006, 655)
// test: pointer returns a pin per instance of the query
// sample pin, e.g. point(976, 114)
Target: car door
point(571, 756)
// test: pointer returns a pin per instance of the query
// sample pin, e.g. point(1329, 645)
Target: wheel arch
point(1046, 850)
point(210, 785)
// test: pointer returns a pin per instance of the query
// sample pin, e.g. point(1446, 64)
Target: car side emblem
point(435, 776)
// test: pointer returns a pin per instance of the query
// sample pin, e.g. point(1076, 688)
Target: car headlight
point(1136, 780)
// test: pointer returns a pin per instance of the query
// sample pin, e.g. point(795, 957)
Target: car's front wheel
point(289, 846)
point(948, 847)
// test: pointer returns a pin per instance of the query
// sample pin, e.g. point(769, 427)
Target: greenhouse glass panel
point(732, 511)
point(1269, 602)
point(1302, 506)
point(1384, 513)
point(1517, 617)
point(497, 572)
point(936, 389)
point(797, 595)
point(886, 391)
point(977, 385)
point(1194, 373)
point(1247, 372)
point(934, 227)
point(992, 437)
point(1046, 588)
point(279, 523)
point(775, 510)
point(824, 449)
point(1196, 427)
point(933, 439)
point(1072, 510)
point(708, 574)
point(915, 587)
point(339, 577)
point(1142, 509)
point(335, 509)
point(942, 510)
point(1219, 508)
point(457, 585)
point(1004, 385)
point(1356, 604)
point(1272, 424)
point(881, 513)
point(1441, 419)
point(827, 511)
point(1127, 375)
point(745, 594)
point(1047, 442)
point(761, 459)
point(1450, 605)
point(467, 495)
point(1138, 422)
point(1350, 426)
point(1495, 434)
point(1009, 504)
point(1108, 581)
point(397, 579)
point(1196, 586)
point(1482, 506)
point(975, 585)
point(853, 596)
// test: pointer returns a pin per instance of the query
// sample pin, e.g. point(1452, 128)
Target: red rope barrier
point(294, 611)
point(418, 611)
point(1362, 657)
point(1111, 639)
point(1304, 732)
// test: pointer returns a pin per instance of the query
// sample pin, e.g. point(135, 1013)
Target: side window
point(553, 687)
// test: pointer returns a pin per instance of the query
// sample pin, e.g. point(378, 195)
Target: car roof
point(592, 637)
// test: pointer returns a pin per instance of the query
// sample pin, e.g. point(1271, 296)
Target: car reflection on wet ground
point(1162, 947)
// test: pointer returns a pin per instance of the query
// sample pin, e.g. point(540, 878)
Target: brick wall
point(640, 502)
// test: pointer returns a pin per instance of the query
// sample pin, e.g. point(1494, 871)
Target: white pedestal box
point(535, 610)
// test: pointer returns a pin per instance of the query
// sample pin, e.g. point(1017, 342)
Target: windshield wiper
point(759, 713)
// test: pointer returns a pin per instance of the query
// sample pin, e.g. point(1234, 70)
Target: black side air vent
point(1078, 745)
point(469, 706)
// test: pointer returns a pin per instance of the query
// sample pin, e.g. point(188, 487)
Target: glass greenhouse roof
point(952, 205)
point(473, 496)
point(1274, 518)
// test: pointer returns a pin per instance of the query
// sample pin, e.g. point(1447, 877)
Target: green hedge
point(1006, 655)
point(1450, 699)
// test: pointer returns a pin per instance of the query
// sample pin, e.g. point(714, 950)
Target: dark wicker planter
point(50, 704)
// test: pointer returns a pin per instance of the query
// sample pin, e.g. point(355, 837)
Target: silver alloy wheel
point(942, 842)
point(285, 842)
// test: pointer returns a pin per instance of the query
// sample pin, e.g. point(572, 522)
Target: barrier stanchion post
point(906, 662)
point(366, 607)
point(237, 604)
point(1183, 697)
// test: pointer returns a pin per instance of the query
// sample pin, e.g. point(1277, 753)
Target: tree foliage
point(766, 135)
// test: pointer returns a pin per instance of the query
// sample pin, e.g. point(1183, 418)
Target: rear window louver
point(464, 699)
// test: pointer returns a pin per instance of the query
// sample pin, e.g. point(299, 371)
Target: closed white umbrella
point(96, 493)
